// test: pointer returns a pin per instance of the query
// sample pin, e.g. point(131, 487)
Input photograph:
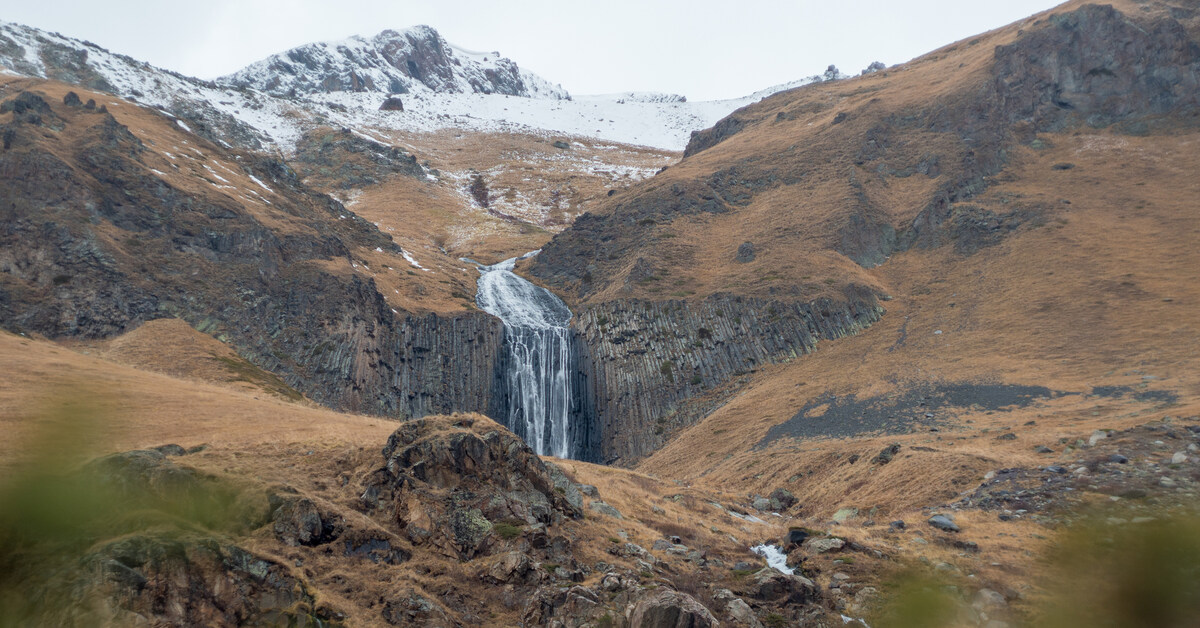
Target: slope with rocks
point(448, 520)
point(813, 196)
point(118, 216)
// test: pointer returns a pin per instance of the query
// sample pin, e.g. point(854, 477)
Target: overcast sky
point(704, 49)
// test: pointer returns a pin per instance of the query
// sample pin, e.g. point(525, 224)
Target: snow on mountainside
point(217, 112)
point(272, 102)
point(398, 62)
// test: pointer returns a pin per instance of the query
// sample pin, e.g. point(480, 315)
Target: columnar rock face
point(648, 361)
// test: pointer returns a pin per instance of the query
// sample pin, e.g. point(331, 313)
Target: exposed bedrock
point(652, 367)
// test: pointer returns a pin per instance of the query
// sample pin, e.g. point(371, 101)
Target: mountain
point(395, 62)
point(921, 338)
point(791, 213)
point(273, 102)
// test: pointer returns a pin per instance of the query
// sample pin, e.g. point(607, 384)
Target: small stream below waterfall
point(539, 359)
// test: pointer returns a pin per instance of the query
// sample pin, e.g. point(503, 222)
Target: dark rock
point(888, 453)
point(392, 103)
point(771, 585)
point(670, 609)
point(943, 522)
point(897, 525)
point(171, 450)
point(784, 497)
point(410, 608)
point(721, 131)
point(1118, 458)
point(1056, 469)
point(222, 583)
point(1007, 436)
point(1042, 449)
point(72, 100)
point(561, 145)
point(1063, 166)
point(298, 521)
point(745, 253)
point(796, 536)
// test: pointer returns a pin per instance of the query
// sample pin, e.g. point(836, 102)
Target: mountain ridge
point(401, 61)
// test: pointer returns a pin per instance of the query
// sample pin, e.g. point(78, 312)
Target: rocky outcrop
point(395, 62)
point(189, 580)
point(450, 481)
point(343, 159)
point(647, 362)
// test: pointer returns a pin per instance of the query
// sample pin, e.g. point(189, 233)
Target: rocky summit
point(389, 332)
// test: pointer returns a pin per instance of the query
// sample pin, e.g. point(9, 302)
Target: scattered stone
point(796, 536)
point(1166, 482)
point(898, 525)
point(887, 454)
point(1096, 437)
point(845, 514)
point(1042, 449)
point(745, 253)
point(561, 145)
point(1118, 458)
point(762, 504)
point(771, 585)
point(605, 509)
point(1007, 436)
point(943, 522)
point(824, 544)
point(740, 612)
point(1180, 457)
point(392, 103)
point(170, 450)
point(784, 497)
point(1056, 469)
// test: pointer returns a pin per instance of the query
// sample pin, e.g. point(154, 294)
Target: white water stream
point(540, 361)
point(775, 557)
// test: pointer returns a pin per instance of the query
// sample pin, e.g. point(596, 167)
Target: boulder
point(796, 536)
point(298, 521)
point(741, 613)
point(943, 522)
point(783, 498)
point(410, 608)
point(670, 609)
point(511, 567)
point(825, 544)
point(745, 253)
point(392, 103)
point(888, 453)
point(771, 585)
point(605, 509)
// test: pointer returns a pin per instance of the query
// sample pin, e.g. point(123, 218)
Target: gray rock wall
point(648, 362)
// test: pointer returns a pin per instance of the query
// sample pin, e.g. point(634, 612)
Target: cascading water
point(539, 366)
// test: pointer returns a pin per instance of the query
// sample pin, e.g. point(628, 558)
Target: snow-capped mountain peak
point(416, 59)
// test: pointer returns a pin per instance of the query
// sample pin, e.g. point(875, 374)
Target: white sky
point(704, 49)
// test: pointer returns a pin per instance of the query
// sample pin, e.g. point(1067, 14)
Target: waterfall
point(539, 365)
